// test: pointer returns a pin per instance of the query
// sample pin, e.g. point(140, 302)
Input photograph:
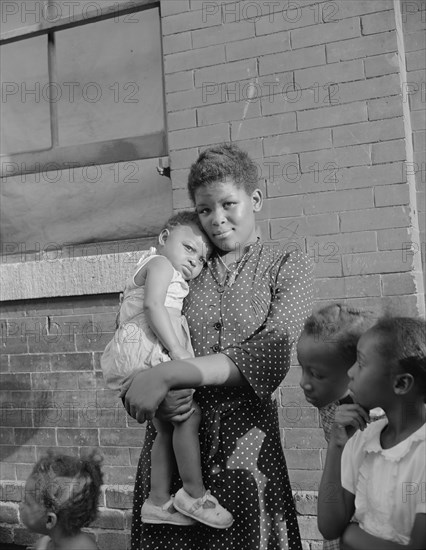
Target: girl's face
point(227, 214)
point(186, 247)
point(324, 372)
point(371, 379)
point(33, 514)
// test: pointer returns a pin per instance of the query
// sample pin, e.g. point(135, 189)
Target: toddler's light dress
point(134, 345)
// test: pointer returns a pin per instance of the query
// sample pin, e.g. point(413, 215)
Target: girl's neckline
point(225, 275)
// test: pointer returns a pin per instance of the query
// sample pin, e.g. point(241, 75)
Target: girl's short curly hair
point(340, 325)
point(69, 487)
point(220, 162)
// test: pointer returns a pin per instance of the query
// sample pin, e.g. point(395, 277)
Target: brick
point(24, 454)
point(6, 534)
point(331, 160)
point(119, 474)
point(337, 201)
point(388, 151)
point(291, 228)
point(115, 456)
point(349, 287)
point(303, 459)
point(400, 283)
point(364, 46)
point(119, 439)
point(24, 537)
point(325, 33)
point(92, 341)
point(12, 416)
point(367, 176)
point(406, 306)
point(175, 43)
point(368, 132)
point(374, 218)
point(7, 436)
point(193, 59)
point(14, 345)
point(254, 47)
point(175, 82)
point(331, 73)
point(81, 437)
point(119, 497)
point(27, 399)
point(50, 343)
point(36, 436)
point(182, 119)
point(345, 243)
point(374, 262)
point(7, 471)
point(190, 21)
point(228, 72)
point(391, 195)
point(308, 528)
point(281, 207)
point(55, 381)
point(386, 107)
point(418, 121)
point(296, 59)
point(361, 7)
point(415, 41)
point(419, 141)
point(297, 416)
point(390, 239)
point(306, 503)
point(9, 513)
point(332, 116)
point(180, 178)
point(379, 65)
point(367, 89)
point(297, 142)
point(378, 22)
point(230, 32)
point(183, 158)
point(12, 381)
point(111, 541)
point(172, 8)
point(285, 18)
point(189, 99)
point(109, 519)
point(224, 112)
point(301, 438)
point(263, 127)
point(208, 135)
point(415, 60)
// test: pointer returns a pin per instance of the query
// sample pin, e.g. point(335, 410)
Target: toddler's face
point(33, 514)
point(187, 248)
point(324, 372)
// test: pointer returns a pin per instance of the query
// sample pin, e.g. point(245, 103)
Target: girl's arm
point(336, 505)
point(158, 275)
point(355, 538)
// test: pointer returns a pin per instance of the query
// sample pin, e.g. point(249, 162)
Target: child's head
point(391, 362)
point(326, 350)
point(184, 243)
point(220, 163)
point(62, 492)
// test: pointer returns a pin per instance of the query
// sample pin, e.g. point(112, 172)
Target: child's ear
point(257, 200)
point(51, 520)
point(403, 383)
point(162, 237)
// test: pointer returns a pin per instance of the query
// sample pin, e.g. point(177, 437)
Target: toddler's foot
point(205, 509)
point(163, 514)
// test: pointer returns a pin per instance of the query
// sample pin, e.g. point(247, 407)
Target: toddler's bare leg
point(162, 463)
point(186, 448)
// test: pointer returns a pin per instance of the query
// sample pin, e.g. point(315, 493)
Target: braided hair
point(69, 487)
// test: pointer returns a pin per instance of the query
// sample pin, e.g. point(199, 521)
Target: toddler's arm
point(336, 505)
point(355, 538)
point(159, 273)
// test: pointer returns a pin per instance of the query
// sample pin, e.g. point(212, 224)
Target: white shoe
point(163, 514)
point(205, 509)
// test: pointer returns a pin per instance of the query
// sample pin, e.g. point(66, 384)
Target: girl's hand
point(348, 419)
point(176, 406)
point(145, 393)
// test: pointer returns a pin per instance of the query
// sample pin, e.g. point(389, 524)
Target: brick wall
point(314, 94)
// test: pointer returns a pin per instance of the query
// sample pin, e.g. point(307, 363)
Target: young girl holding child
point(152, 330)
point(61, 497)
point(372, 490)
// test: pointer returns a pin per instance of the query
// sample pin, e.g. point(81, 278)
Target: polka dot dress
point(254, 319)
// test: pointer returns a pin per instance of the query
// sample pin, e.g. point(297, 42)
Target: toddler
point(153, 330)
point(376, 475)
point(61, 497)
